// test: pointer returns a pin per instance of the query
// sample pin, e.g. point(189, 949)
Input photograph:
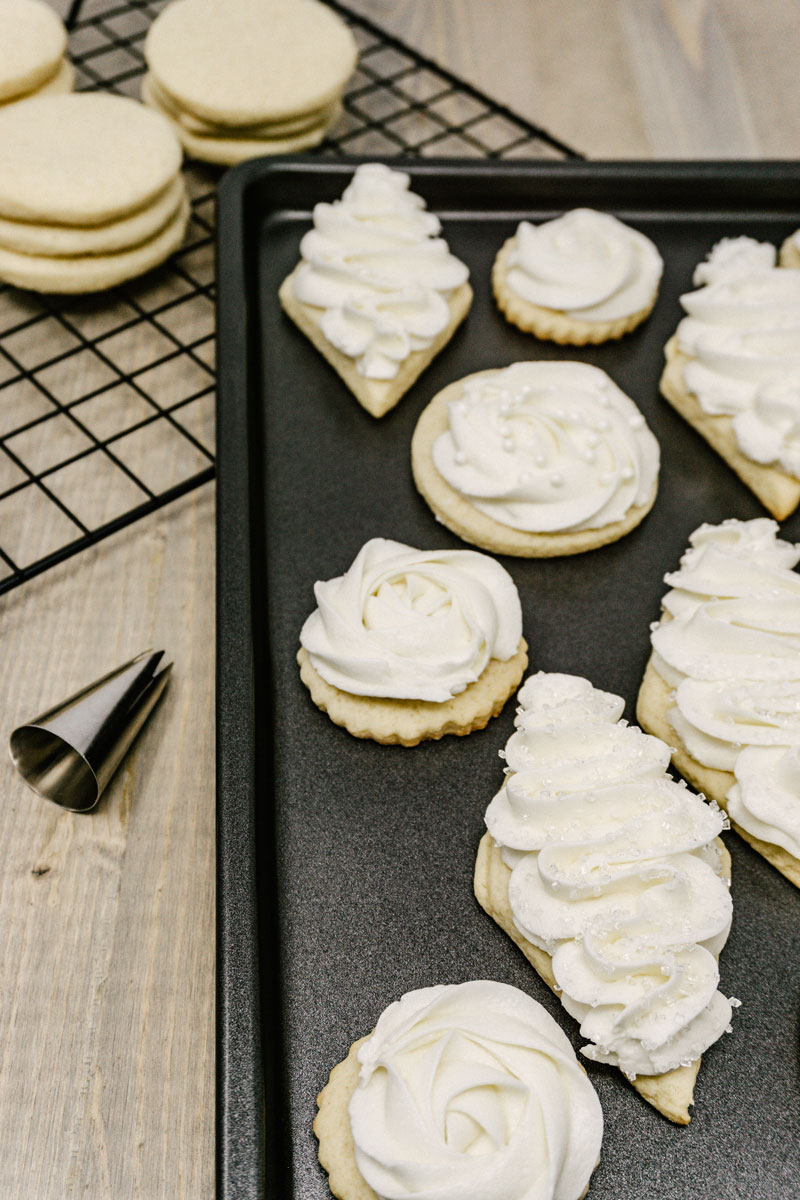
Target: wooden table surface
point(107, 921)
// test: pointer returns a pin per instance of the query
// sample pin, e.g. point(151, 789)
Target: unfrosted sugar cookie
point(84, 159)
point(733, 367)
point(536, 460)
point(723, 683)
point(453, 1094)
point(611, 879)
point(32, 45)
point(582, 278)
point(377, 290)
point(250, 60)
point(226, 147)
point(410, 645)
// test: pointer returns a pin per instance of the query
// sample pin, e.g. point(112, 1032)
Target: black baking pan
point(344, 866)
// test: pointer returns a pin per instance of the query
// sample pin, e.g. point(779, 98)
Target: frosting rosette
point(615, 873)
point(586, 264)
point(741, 343)
point(548, 447)
point(729, 646)
point(374, 261)
point(412, 624)
point(472, 1091)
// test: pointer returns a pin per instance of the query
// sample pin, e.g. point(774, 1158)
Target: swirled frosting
point(614, 872)
point(412, 624)
point(730, 647)
point(587, 264)
point(472, 1091)
point(375, 263)
point(742, 340)
point(548, 446)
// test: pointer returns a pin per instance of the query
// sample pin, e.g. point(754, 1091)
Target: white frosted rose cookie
point(464, 1090)
point(582, 278)
point(32, 45)
point(411, 644)
point(377, 290)
point(536, 460)
point(612, 881)
point(733, 367)
point(723, 682)
point(790, 251)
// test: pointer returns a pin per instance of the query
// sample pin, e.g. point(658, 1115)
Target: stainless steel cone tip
point(69, 753)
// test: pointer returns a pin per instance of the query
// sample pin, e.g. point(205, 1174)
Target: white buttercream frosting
point(730, 647)
point(548, 446)
point(375, 263)
point(616, 874)
point(586, 264)
point(472, 1092)
point(742, 340)
point(412, 624)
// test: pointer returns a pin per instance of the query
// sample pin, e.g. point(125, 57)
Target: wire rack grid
point(107, 401)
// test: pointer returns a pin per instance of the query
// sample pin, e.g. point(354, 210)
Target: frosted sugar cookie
point(536, 460)
point(377, 290)
point(410, 644)
point(83, 159)
point(733, 367)
point(790, 251)
point(94, 272)
point(454, 1094)
point(32, 45)
point(723, 682)
point(250, 61)
point(584, 277)
point(612, 881)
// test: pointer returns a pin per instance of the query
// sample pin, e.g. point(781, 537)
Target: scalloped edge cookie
point(459, 515)
point(671, 1093)
point(377, 396)
point(408, 722)
point(652, 706)
point(549, 323)
point(777, 491)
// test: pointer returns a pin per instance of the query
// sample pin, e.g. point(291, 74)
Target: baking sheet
point(345, 867)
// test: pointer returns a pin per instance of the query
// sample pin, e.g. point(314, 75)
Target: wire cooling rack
point(107, 401)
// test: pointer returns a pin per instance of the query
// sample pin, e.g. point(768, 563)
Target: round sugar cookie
point(227, 151)
point(285, 127)
point(790, 252)
point(93, 273)
point(456, 511)
point(62, 241)
point(83, 159)
point(32, 43)
point(250, 61)
point(58, 85)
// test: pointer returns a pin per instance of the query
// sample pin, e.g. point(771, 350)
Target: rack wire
point(107, 401)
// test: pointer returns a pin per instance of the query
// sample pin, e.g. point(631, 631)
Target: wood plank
point(107, 938)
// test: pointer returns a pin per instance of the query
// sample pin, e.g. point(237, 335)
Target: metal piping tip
point(69, 753)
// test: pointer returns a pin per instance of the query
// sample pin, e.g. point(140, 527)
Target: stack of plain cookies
point(33, 43)
point(248, 77)
point(91, 192)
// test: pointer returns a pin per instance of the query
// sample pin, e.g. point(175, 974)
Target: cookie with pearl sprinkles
point(582, 278)
point(538, 459)
point(467, 1090)
point(612, 881)
point(410, 645)
point(377, 290)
